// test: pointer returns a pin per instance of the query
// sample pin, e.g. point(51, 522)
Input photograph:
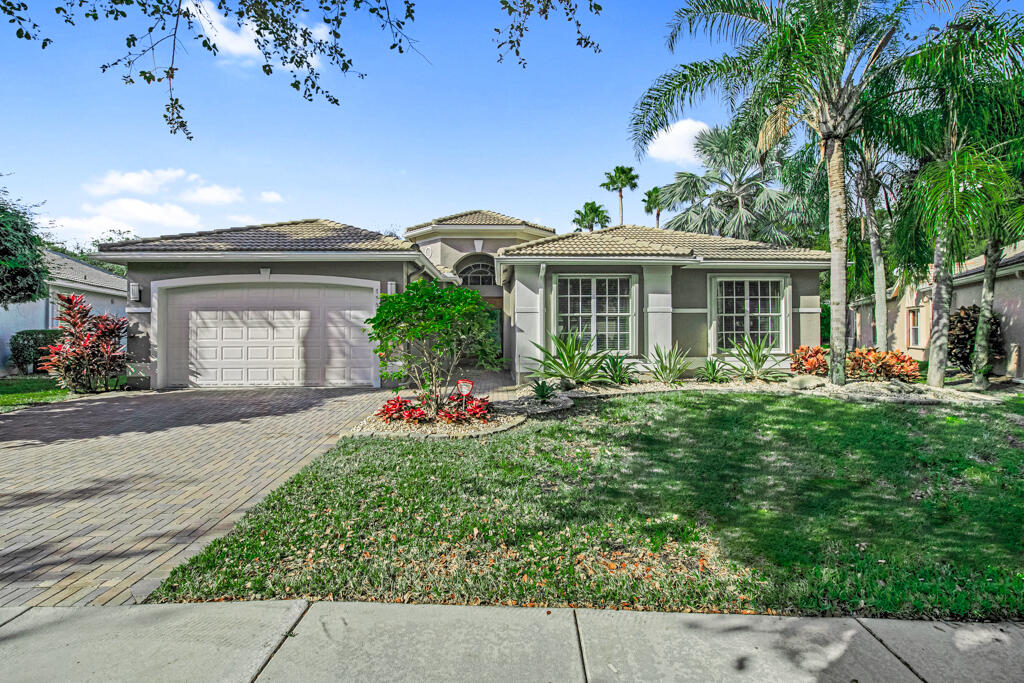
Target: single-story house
point(105, 291)
point(286, 303)
point(909, 309)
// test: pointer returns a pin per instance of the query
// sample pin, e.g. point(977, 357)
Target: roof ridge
point(511, 220)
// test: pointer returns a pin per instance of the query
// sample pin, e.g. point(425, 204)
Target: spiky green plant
point(714, 371)
point(619, 370)
point(668, 365)
point(754, 361)
point(569, 358)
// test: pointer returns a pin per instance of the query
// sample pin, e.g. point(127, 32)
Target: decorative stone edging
point(514, 421)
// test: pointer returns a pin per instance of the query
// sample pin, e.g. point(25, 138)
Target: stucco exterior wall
point(448, 251)
point(671, 304)
point(1008, 305)
point(140, 343)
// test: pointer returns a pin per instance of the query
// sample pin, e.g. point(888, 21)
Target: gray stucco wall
point(145, 273)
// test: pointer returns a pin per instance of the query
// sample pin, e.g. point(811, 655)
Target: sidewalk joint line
point(287, 634)
point(7, 621)
point(579, 644)
point(891, 651)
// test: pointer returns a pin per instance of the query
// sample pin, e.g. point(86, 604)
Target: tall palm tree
point(618, 179)
point(960, 118)
point(805, 63)
point(653, 204)
point(735, 197)
point(590, 215)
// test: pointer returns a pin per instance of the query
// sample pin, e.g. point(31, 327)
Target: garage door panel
point(267, 335)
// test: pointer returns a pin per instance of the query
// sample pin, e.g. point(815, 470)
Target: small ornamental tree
point(89, 353)
point(426, 331)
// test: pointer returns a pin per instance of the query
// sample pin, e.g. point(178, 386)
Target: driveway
point(101, 497)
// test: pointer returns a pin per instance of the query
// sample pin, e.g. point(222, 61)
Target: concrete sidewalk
point(293, 640)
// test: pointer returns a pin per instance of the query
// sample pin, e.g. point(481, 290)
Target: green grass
point(683, 501)
point(18, 392)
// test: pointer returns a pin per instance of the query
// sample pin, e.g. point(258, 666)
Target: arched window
point(477, 274)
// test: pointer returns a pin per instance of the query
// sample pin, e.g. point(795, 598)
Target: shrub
point(89, 352)
point(754, 360)
point(668, 366)
point(461, 409)
point(809, 360)
point(571, 359)
point(392, 408)
point(872, 365)
point(27, 346)
point(425, 332)
point(619, 370)
point(963, 326)
point(542, 390)
point(714, 371)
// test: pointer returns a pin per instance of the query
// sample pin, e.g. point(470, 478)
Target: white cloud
point(242, 219)
point(212, 194)
point(83, 230)
point(271, 197)
point(230, 40)
point(676, 143)
point(134, 182)
point(129, 210)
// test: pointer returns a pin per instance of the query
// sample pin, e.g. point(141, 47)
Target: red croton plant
point(455, 410)
point(90, 352)
point(864, 363)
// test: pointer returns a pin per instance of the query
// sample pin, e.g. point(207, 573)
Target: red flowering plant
point(90, 352)
point(465, 409)
point(809, 360)
point(870, 364)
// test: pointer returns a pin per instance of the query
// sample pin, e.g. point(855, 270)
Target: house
point(286, 303)
point(909, 309)
point(102, 289)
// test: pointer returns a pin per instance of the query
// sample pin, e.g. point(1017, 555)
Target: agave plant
point(570, 360)
point(754, 360)
point(543, 390)
point(668, 365)
point(713, 371)
point(619, 370)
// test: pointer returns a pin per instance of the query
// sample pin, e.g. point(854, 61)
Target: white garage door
point(269, 335)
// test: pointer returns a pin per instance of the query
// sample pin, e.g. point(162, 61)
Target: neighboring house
point(286, 303)
point(102, 289)
point(910, 309)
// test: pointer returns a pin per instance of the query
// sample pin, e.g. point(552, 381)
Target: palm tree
point(653, 204)
point(735, 196)
point(961, 118)
point(590, 215)
point(618, 179)
point(805, 63)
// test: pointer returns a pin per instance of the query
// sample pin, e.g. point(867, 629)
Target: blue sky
point(412, 141)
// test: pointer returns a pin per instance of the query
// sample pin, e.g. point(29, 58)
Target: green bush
point(714, 371)
point(542, 390)
point(25, 345)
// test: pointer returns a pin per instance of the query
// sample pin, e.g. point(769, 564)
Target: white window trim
point(910, 313)
point(634, 298)
point(786, 286)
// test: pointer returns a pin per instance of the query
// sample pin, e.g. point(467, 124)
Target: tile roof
point(638, 240)
point(479, 217)
point(1013, 257)
point(63, 267)
point(311, 234)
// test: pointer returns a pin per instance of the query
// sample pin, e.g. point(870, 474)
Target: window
point(598, 309)
point(477, 274)
point(751, 307)
point(914, 327)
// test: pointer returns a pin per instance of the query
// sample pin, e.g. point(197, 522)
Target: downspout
point(542, 307)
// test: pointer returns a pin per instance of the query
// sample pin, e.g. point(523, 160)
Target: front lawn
point(18, 392)
point(677, 501)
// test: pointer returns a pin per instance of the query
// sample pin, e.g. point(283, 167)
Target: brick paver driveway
point(100, 498)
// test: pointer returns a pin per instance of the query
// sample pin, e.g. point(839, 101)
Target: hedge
point(25, 346)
